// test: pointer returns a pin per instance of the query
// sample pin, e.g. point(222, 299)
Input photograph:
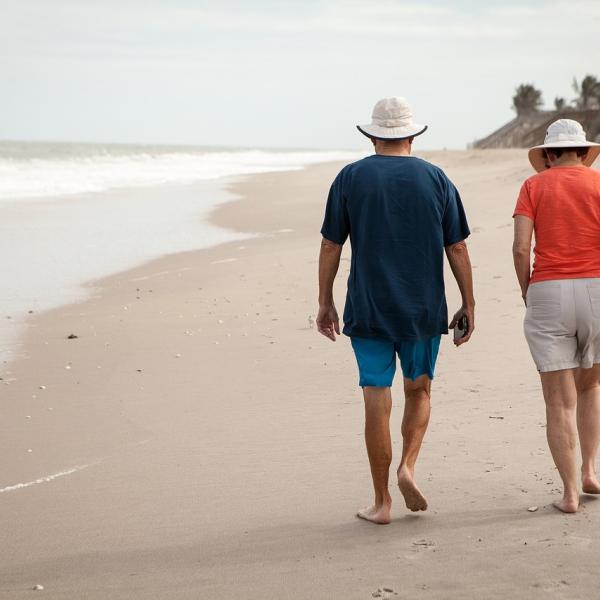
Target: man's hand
point(458, 257)
point(468, 312)
point(328, 322)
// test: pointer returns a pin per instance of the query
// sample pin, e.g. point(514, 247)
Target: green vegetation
point(559, 104)
point(528, 99)
point(588, 92)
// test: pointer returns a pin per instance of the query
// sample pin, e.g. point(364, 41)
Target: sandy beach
point(198, 439)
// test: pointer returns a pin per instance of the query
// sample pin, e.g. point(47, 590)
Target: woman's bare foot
point(590, 484)
point(376, 514)
point(567, 504)
point(413, 497)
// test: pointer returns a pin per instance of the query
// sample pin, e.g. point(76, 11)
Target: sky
point(295, 74)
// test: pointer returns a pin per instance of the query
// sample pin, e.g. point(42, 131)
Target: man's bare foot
point(413, 497)
point(567, 505)
point(590, 485)
point(376, 514)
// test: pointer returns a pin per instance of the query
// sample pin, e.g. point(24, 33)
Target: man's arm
point(458, 257)
point(522, 252)
point(329, 261)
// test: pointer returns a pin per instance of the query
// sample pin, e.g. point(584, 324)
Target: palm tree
point(560, 103)
point(527, 99)
point(588, 92)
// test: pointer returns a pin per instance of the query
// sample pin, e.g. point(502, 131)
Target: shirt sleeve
point(524, 205)
point(454, 222)
point(336, 225)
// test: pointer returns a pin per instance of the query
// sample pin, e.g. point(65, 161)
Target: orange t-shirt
point(564, 204)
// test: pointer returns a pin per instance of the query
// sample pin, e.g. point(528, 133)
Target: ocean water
point(73, 213)
point(44, 171)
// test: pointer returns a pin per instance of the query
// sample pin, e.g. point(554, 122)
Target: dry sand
point(219, 438)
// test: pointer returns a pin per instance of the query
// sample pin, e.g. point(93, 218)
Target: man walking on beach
point(400, 212)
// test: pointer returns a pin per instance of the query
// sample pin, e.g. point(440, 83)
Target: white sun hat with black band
point(392, 119)
point(564, 133)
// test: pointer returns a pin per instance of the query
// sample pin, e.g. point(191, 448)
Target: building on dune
point(525, 131)
point(529, 127)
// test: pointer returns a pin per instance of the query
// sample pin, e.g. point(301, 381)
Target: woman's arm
point(522, 252)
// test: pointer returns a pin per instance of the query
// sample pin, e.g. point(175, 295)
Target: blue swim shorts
point(376, 359)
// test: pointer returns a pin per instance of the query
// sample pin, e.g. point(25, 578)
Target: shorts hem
point(590, 364)
point(415, 377)
point(561, 366)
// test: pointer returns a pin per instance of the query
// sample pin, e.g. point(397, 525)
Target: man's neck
point(392, 147)
point(388, 152)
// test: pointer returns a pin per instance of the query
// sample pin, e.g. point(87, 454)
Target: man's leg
point(417, 408)
point(588, 424)
point(378, 407)
point(560, 395)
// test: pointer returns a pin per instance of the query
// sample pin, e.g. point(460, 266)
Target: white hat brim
point(537, 156)
point(391, 133)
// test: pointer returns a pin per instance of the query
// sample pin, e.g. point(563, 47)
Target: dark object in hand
point(461, 327)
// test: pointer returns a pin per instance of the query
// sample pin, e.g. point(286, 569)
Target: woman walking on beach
point(562, 294)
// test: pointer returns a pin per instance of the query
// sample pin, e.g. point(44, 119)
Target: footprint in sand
point(551, 586)
point(384, 592)
point(424, 544)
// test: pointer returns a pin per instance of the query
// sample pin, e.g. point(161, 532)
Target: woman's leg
point(560, 395)
point(588, 424)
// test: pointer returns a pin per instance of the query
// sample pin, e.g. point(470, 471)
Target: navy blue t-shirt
point(400, 212)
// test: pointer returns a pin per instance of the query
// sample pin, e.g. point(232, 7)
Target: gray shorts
point(562, 323)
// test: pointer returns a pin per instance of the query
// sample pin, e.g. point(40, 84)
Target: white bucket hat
point(564, 133)
point(392, 120)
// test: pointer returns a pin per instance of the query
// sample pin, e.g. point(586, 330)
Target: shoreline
point(72, 214)
point(59, 278)
point(230, 215)
point(224, 436)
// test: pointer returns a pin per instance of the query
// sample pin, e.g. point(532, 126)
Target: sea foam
point(52, 170)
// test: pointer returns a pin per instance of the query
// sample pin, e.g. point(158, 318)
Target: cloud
point(459, 62)
point(168, 30)
point(30, 26)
